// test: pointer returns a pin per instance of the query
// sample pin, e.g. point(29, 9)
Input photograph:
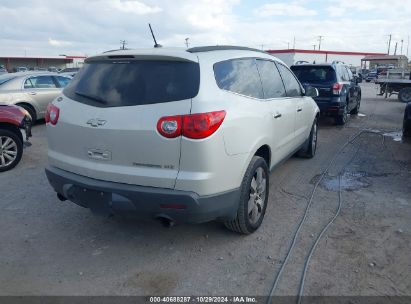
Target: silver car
point(32, 91)
point(178, 135)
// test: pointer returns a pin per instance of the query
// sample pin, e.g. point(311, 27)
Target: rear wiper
point(93, 97)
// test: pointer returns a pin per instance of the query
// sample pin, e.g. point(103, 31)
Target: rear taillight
point(337, 87)
point(195, 126)
point(52, 114)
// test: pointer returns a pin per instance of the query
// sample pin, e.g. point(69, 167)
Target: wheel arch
point(12, 128)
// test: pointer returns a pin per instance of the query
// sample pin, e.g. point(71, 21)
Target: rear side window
point(108, 84)
point(292, 86)
point(239, 76)
point(309, 74)
point(270, 77)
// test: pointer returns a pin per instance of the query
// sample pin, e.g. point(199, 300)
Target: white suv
point(181, 135)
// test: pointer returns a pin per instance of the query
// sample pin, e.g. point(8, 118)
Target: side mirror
point(311, 92)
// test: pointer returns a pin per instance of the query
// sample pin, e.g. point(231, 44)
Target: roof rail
point(222, 48)
point(338, 62)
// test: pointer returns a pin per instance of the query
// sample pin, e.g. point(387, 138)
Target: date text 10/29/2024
point(205, 299)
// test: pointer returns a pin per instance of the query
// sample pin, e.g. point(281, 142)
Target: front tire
point(356, 110)
point(341, 119)
point(11, 150)
point(406, 126)
point(253, 198)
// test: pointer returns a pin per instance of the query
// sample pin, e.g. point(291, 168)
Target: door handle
point(32, 93)
point(299, 109)
point(277, 115)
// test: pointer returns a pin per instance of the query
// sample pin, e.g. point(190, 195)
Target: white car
point(179, 135)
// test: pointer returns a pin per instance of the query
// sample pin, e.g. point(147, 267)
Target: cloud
point(284, 9)
point(133, 6)
point(79, 27)
point(59, 43)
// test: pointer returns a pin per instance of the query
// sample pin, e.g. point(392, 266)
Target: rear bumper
point(331, 106)
point(108, 198)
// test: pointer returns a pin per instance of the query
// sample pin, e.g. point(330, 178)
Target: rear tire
point(11, 150)
point(404, 95)
point(310, 146)
point(31, 111)
point(341, 119)
point(253, 198)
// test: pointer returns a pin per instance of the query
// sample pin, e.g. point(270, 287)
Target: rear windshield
point(311, 74)
point(107, 84)
point(6, 77)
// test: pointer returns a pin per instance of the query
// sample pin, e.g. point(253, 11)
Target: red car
point(12, 119)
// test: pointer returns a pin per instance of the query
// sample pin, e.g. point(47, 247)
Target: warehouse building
point(11, 63)
point(398, 61)
point(291, 56)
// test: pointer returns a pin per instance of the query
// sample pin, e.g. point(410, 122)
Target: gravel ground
point(50, 247)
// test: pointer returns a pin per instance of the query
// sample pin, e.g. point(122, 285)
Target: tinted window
point(41, 82)
point(63, 81)
point(270, 77)
point(107, 84)
point(309, 74)
point(291, 84)
point(239, 76)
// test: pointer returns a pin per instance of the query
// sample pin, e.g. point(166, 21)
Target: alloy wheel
point(257, 196)
point(8, 151)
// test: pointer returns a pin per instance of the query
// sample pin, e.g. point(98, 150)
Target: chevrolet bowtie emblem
point(96, 122)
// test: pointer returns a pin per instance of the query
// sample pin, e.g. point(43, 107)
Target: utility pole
point(408, 44)
point(123, 44)
point(294, 43)
point(320, 38)
point(187, 44)
point(262, 47)
point(288, 45)
point(395, 51)
point(314, 45)
point(389, 44)
point(402, 43)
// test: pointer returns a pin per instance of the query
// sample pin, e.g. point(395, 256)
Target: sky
point(80, 27)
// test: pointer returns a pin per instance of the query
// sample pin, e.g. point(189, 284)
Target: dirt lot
point(53, 248)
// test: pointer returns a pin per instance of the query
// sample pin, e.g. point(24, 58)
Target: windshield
point(107, 84)
point(310, 74)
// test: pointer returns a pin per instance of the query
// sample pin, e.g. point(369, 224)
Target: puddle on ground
point(350, 181)
point(396, 136)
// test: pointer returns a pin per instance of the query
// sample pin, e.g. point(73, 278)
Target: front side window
point(239, 76)
point(270, 77)
point(292, 86)
point(41, 82)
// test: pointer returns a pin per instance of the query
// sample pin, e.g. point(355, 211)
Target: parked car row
point(68, 71)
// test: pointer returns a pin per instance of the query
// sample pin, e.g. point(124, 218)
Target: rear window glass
point(239, 76)
point(5, 78)
point(314, 74)
point(107, 84)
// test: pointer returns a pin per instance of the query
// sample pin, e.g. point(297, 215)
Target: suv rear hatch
point(107, 125)
point(321, 77)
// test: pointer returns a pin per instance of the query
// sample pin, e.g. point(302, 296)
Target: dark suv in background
point(339, 92)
